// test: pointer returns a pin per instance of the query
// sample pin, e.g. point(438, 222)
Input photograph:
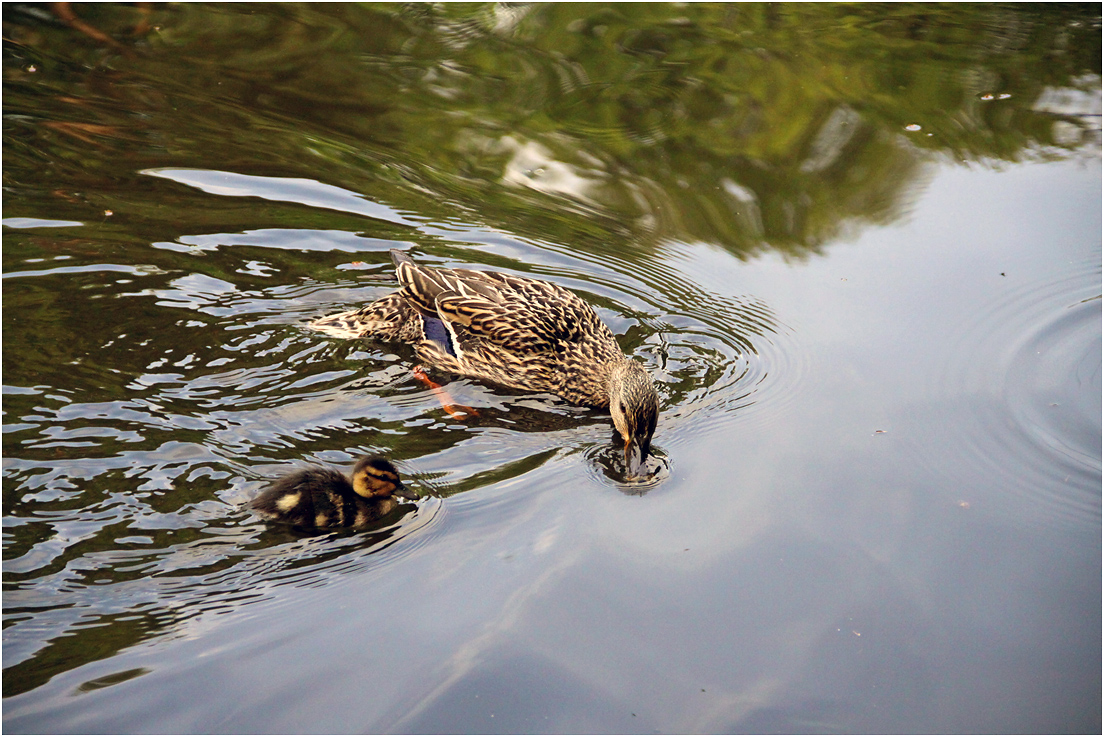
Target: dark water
point(858, 248)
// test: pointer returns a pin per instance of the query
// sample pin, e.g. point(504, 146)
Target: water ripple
point(1029, 365)
point(125, 496)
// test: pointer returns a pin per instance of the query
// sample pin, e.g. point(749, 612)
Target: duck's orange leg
point(456, 411)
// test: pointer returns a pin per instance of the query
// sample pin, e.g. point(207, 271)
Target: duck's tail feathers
point(389, 318)
point(345, 325)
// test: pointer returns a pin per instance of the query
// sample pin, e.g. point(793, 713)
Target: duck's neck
point(634, 403)
point(625, 375)
point(594, 388)
point(616, 372)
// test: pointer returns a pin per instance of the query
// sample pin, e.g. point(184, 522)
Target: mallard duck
point(514, 331)
point(325, 497)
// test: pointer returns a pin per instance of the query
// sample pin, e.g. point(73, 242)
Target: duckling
point(324, 497)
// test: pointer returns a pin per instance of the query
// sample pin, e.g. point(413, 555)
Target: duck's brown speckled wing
point(512, 330)
point(504, 329)
point(516, 313)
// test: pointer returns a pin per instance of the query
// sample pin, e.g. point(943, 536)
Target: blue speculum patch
point(436, 331)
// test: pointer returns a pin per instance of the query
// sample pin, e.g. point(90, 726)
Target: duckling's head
point(375, 476)
point(634, 406)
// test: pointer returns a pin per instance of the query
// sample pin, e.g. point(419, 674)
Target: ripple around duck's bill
point(607, 464)
point(1027, 371)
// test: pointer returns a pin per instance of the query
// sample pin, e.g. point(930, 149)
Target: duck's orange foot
point(454, 410)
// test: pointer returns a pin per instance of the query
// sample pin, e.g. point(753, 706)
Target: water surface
point(858, 249)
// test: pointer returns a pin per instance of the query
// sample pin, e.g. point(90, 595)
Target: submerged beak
point(634, 458)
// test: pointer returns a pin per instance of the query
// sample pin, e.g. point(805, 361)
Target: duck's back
point(517, 312)
point(512, 330)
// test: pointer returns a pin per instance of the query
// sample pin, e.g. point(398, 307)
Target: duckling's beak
point(404, 493)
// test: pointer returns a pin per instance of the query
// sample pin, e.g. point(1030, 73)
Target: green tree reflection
point(606, 127)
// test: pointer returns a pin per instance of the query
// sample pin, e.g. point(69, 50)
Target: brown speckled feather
point(515, 331)
point(509, 330)
point(390, 318)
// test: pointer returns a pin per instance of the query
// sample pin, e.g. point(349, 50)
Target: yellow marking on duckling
point(361, 486)
point(321, 520)
point(288, 502)
point(380, 473)
point(373, 485)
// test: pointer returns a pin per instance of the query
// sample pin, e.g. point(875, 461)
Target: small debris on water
point(354, 265)
point(912, 127)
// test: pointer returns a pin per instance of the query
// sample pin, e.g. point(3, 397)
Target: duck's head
point(375, 476)
point(634, 406)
